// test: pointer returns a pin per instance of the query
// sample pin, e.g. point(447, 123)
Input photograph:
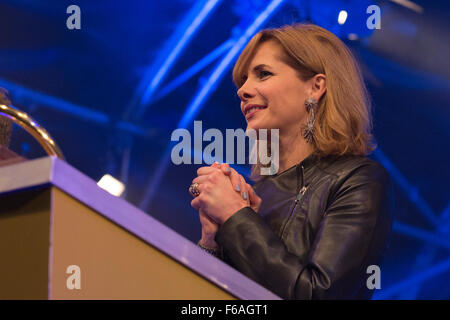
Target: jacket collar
point(306, 163)
point(291, 178)
point(309, 161)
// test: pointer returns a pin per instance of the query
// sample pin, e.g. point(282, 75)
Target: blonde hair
point(343, 119)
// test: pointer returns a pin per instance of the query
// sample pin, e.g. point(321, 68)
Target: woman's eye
point(263, 74)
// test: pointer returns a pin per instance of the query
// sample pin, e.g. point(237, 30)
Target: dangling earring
point(308, 131)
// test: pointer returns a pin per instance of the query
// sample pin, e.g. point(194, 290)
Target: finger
point(236, 180)
point(245, 191)
point(216, 165)
point(195, 203)
point(206, 170)
point(251, 194)
point(200, 179)
point(226, 169)
point(254, 198)
point(205, 217)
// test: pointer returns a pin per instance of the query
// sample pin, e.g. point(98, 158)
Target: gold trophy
point(32, 127)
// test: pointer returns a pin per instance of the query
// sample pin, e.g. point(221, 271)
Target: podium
point(63, 237)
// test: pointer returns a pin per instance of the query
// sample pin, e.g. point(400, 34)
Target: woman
point(322, 220)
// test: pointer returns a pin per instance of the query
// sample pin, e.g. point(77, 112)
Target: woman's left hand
point(218, 199)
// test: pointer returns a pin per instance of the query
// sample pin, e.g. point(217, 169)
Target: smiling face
point(276, 90)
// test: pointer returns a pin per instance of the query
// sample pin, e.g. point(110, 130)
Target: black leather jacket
point(320, 225)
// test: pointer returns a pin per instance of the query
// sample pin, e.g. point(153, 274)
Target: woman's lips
point(249, 115)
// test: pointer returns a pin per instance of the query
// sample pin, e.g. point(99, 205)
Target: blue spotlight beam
point(203, 94)
point(55, 103)
point(428, 253)
point(192, 71)
point(412, 194)
point(446, 212)
point(416, 279)
point(217, 74)
point(423, 235)
point(81, 112)
point(411, 191)
point(169, 54)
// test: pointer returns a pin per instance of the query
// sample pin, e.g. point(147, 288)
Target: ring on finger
point(193, 189)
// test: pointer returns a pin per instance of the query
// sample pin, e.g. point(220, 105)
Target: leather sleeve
point(352, 235)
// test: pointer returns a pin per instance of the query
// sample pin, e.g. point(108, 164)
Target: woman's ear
point(318, 86)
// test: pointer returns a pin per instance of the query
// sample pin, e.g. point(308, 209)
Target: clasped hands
point(223, 192)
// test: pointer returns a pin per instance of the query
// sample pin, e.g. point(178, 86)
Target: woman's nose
point(244, 93)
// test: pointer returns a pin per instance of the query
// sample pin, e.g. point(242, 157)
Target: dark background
point(86, 88)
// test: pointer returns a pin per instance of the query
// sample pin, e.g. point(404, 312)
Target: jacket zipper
point(297, 200)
